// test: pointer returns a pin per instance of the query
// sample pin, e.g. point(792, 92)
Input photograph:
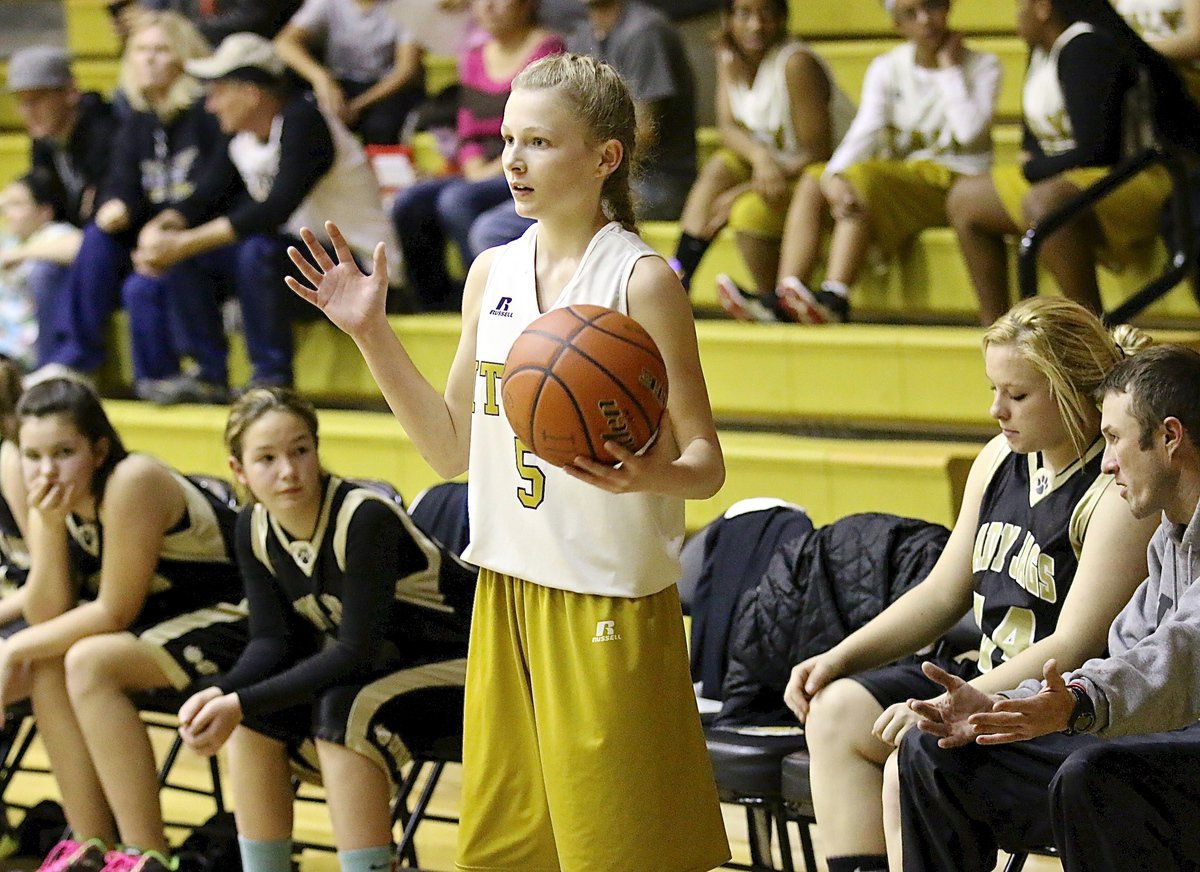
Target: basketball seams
point(579, 415)
point(555, 388)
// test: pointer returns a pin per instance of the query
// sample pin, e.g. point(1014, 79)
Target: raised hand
point(1015, 720)
point(348, 297)
point(948, 716)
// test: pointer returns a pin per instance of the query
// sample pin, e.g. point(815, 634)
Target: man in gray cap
point(72, 132)
point(292, 166)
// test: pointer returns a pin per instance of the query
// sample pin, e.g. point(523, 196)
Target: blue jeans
point(73, 314)
point(499, 225)
point(426, 216)
point(253, 269)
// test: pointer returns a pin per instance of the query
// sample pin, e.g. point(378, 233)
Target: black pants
point(1108, 805)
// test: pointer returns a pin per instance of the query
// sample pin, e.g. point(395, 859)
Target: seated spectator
point(35, 251)
point(72, 137)
point(779, 110)
point(368, 72)
point(217, 19)
point(433, 211)
point(1084, 64)
point(1122, 805)
point(358, 646)
point(291, 165)
point(14, 510)
point(163, 147)
point(1171, 28)
point(1043, 551)
point(642, 45)
point(925, 120)
point(132, 587)
point(72, 132)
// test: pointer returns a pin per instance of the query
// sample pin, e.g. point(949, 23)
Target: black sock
point(688, 253)
point(858, 863)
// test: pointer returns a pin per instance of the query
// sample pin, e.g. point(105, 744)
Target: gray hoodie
point(1150, 682)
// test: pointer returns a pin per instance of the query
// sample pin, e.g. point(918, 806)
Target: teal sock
point(265, 856)
point(366, 859)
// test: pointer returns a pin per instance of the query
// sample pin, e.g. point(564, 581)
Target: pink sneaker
point(805, 307)
point(151, 861)
point(739, 304)
point(71, 856)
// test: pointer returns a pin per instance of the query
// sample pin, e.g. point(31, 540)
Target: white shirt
point(909, 112)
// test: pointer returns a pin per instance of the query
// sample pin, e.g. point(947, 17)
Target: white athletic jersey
point(1155, 19)
point(764, 108)
point(1042, 100)
point(348, 194)
point(909, 112)
point(530, 519)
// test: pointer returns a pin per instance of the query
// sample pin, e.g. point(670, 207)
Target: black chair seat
point(797, 789)
point(747, 761)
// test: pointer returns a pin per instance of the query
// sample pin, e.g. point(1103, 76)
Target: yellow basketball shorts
point(583, 749)
point(1128, 216)
point(902, 197)
point(750, 213)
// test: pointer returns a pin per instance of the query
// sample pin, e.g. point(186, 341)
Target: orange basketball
point(580, 376)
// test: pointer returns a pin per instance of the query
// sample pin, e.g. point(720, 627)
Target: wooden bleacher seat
point(89, 29)
point(14, 155)
point(830, 477)
point(859, 18)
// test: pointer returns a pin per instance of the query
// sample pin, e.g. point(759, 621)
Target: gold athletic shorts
point(583, 749)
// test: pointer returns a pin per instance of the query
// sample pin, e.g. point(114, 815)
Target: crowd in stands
point(187, 186)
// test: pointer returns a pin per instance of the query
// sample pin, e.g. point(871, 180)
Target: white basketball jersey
point(1156, 19)
point(764, 108)
point(1042, 100)
point(530, 519)
point(918, 127)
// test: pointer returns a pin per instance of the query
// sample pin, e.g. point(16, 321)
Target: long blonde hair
point(187, 44)
point(603, 103)
point(1070, 347)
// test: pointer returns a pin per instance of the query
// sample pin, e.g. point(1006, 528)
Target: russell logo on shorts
point(606, 631)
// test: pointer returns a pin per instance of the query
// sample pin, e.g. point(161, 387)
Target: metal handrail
point(1183, 245)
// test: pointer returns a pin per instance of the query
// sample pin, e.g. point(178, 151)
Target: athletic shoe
point(71, 856)
point(151, 861)
point(806, 307)
point(185, 388)
point(741, 305)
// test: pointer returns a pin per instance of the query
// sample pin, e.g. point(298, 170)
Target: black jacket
point(818, 589)
point(81, 165)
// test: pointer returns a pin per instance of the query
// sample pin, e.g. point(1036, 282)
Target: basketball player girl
point(583, 748)
point(358, 640)
point(779, 110)
point(131, 588)
point(1044, 553)
point(924, 120)
point(14, 554)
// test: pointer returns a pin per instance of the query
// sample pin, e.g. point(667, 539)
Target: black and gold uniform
point(358, 635)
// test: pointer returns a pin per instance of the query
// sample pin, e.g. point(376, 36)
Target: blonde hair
point(187, 44)
point(601, 101)
point(1070, 347)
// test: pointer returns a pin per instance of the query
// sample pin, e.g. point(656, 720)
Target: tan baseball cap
point(245, 56)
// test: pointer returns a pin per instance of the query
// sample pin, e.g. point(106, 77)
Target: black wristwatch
point(1084, 713)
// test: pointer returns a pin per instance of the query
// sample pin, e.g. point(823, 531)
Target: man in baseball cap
point(72, 132)
point(296, 166)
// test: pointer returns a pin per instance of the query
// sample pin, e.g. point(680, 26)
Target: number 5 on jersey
point(534, 490)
